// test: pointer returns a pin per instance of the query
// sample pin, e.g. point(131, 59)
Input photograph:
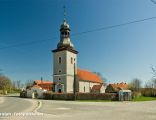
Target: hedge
point(80, 96)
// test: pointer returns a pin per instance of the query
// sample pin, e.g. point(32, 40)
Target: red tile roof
point(122, 86)
point(88, 76)
point(36, 86)
point(42, 82)
point(47, 85)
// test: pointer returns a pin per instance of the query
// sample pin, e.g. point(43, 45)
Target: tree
point(148, 84)
point(154, 77)
point(5, 83)
point(29, 83)
point(135, 84)
point(103, 78)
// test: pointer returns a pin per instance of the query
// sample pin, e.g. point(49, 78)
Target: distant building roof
point(36, 86)
point(116, 87)
point(42, 82)
point(122, 86)
point(86, 75)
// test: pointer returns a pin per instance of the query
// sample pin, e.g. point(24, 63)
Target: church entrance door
point(59, 91)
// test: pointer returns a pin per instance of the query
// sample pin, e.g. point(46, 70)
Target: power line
point(114, 26)
point(84, 32)
point(25, 44)
point(154, 1)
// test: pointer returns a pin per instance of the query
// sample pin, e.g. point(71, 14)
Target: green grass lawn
point(143, 98)
point(94, 100)
point(137, 99)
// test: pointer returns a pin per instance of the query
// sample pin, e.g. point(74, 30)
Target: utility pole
point(74, 86)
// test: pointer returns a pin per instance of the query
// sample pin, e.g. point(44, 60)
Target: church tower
point(64, 60)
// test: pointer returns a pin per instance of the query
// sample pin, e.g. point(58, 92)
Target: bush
point(136, 94)
point(23, 94)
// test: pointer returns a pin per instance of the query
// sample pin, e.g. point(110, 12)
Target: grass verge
point(143, 98)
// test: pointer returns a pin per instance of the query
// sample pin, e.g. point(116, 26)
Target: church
point(67, 77)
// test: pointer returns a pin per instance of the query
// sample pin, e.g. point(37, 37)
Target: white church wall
point(70, 82)
point(85, 86)
point(57, 67)
point(70, 64)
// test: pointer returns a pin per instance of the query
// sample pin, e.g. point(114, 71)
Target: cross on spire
point(64, 7)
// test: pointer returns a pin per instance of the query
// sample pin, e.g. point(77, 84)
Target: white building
point(65, 67)
point(35, 92)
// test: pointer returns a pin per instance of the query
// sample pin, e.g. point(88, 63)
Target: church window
point(65, 33)
point(59, 78)
point(59, 71)
point(60, 60)
point(71, 60)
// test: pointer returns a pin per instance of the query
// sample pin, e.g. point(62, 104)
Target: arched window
point(71, 60)
point(60, 60)
point(84, 89)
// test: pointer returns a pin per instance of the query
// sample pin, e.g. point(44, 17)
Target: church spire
point(65, 41)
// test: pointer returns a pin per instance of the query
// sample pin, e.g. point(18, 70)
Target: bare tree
point(18, 82)
point(13, 84)
point(149, 84)
point(29, 83)
point(103, 78)
point(153, 72)
point(135, 84)
point(154, 77)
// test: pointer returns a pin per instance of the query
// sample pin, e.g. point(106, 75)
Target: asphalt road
point(71, 110)
point(12, 105)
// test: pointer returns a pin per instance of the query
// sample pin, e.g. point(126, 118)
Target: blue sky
point(119, 54)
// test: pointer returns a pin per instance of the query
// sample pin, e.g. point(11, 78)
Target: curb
point(39, 105)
